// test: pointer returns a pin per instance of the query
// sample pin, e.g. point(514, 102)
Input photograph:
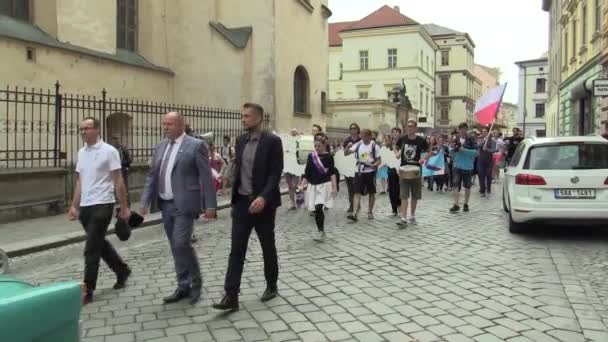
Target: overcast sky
point(503, 31)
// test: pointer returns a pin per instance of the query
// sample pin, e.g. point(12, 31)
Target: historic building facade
point(369, 58)
point(457, 86)
point(217, 53)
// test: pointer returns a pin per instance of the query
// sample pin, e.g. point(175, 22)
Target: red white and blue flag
point(488, 105)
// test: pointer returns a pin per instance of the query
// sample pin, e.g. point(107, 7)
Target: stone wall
point(30, 193)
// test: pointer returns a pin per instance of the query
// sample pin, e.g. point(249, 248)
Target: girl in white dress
point(320, 175)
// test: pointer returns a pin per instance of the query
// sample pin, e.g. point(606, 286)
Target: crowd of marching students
point(442, 163)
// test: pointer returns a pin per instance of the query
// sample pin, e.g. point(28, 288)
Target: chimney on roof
point(396, 8)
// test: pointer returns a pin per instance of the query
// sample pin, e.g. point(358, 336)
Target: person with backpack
point(368, 158)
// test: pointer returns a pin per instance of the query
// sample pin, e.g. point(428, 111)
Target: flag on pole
point(488, 105)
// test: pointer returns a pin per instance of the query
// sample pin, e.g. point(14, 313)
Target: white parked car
point(560, 180)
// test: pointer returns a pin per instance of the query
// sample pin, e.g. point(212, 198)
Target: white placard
point(290, 162)
point(389, 158)
point(347, 165)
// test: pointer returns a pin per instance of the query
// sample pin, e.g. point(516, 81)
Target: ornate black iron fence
point(39, 128)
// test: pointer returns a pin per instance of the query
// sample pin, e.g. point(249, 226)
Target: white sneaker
point(319, 236)
point(413, 221)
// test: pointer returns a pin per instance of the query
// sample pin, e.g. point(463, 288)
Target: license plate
point(575, 193)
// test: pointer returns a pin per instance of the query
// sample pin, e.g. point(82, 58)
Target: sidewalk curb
point(72, 240)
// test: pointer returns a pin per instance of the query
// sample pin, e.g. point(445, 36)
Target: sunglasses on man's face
point(411, 126)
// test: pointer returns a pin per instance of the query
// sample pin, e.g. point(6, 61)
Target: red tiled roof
point(386, 16)
point(335, 29)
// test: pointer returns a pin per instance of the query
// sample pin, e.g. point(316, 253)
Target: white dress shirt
point(168, 194)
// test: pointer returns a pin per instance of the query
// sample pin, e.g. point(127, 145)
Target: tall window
point(584, 28)
point(540, 110)
point(541, 85)
point(341, 70)
point(300, 91)
point(598, 15)
point(363, 95)
point(426, 103)
point(445, 57)
point(363, 60)
point(18, 9)
point(444, 113)
point(445, 86)
point(428, 69)
point(392, 58)
point(323, 102)
point(574, 37)
point(565, 45)
point(126, 33)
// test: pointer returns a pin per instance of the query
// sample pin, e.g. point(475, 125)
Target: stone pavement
point(34, 235)
point(453, 277)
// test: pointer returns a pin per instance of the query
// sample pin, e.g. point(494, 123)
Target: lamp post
point(401, 99)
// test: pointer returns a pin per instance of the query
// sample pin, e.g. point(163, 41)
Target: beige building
point(150, 56)
point(488, 76)
point(457, 86)
point(368, 59)
point(215, 53)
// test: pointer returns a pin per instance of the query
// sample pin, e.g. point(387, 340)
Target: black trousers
point(95, 220)
point(394, 190)
point(242, 224)
point(320, 217)
point(350, 185)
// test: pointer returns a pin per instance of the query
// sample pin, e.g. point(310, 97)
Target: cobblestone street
point(460, 277)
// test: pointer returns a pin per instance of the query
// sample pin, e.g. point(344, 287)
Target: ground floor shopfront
point(580, 111)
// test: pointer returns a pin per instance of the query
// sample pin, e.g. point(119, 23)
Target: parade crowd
point(187, 174)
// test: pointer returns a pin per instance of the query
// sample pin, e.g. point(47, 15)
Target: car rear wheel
point(515, 227)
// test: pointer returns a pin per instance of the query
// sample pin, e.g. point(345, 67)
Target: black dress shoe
point(121, 279)
point(228, 303)
point(195, 294)
point(270, 293)
point(178, 295)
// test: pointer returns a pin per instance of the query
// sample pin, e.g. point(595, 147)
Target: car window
point(517, 155)
point(568, 156)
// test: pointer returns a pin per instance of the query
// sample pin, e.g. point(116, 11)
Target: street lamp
point(401, 99)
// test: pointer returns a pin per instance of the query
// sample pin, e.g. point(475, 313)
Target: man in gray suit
point(180, 180)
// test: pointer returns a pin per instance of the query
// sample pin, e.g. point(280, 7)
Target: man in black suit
point(255, 198)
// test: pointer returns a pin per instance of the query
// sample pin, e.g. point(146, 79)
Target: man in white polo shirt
point(98, 176)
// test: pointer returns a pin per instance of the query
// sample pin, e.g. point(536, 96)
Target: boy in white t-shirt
point(367, 153)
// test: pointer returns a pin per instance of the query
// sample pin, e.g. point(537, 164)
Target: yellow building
point(507, 117)
point(488, 76)
point(581, 33)
point(457, 86)
point(554, 8)
point(604, 59)
point(216, 53)
point(368, 59)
